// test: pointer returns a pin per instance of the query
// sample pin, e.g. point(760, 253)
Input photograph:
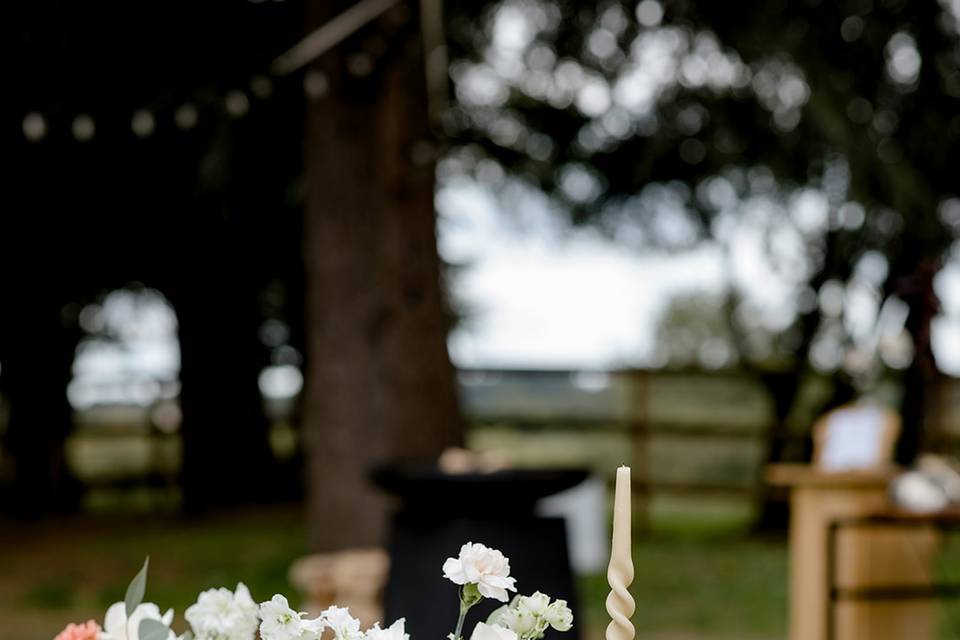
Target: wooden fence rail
point(623, 405)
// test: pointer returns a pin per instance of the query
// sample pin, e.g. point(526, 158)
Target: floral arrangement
point(221, 614)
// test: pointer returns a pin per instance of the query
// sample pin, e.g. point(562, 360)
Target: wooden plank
point(651, 428)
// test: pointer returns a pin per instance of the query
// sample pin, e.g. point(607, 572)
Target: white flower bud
point(536, 604)
point(559, 616)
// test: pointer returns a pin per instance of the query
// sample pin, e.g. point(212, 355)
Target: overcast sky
point(539, 294)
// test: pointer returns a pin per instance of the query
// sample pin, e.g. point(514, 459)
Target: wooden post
point(640, 441)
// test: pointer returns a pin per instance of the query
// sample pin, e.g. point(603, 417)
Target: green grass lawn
point(54, 572)
point(698, 575)
point(722, 588)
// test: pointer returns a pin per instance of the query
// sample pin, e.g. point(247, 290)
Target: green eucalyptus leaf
point(151, 629)
point(136, 589)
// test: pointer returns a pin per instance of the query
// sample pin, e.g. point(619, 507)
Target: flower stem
point(469, 596)
point(463, 614)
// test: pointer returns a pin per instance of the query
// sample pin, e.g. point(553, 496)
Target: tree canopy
point(830, 126)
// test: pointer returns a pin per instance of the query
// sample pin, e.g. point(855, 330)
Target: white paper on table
point(853, 439)
point(584, 509)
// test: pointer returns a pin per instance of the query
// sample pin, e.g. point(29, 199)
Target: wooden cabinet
point(864, 557)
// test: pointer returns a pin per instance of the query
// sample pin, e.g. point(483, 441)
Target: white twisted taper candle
point(620, 603)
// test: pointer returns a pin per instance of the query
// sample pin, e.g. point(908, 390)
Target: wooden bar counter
point(863, 557)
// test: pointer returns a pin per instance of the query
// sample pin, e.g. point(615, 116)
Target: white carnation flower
point(221, 614)
point(280, 622)
point(492, 632)
point(343, 625)
point(393, 632)
point(559, 615)
point(117, 627)
point(487, 568)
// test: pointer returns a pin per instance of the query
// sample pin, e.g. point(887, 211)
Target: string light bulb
point(360, 64)
point(261, 86)
point(83, 128)
point(185, 117)
point(34, 126)
point(143, 123)
point(315, 84)
point(237, 104)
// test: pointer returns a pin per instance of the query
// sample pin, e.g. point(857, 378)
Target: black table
point(441, 512)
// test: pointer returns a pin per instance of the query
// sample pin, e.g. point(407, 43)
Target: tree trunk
point(918, 292)
point(380, 386)
point(37, 358)
point(773, 510)
point(227, 458)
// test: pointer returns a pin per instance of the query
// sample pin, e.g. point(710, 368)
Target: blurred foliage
point(831, 125)
point(785, 85)
point(695, 330)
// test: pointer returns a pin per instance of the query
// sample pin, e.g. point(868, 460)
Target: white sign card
point(853, 438)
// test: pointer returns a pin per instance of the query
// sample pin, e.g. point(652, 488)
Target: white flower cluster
point(280, 622)
point(393, 632)
point(487, 568)
point(529, 616)
point(485, 572)
point(221, 614)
